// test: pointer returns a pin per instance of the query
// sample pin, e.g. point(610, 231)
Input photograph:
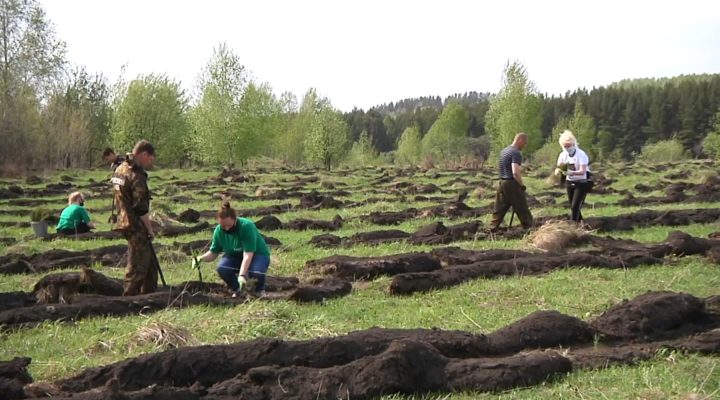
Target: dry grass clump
point(427, 163)
point(557, 235)
point(262, 191)
point(160, 218)
point(709, 178)
point(19, 248)
point(165, 336)
point(480, 193)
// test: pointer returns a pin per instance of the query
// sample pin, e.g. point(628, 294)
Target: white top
point(574, 162)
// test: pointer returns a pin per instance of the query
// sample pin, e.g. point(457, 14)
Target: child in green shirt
point(74, 218)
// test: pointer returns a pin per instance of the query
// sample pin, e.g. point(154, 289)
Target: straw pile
point(165, 336)
point(555, 236)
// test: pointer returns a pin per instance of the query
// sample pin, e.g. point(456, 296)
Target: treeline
point(53, 115)
point(627, 115)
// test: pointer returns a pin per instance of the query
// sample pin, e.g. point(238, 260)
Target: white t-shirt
point(574, 162)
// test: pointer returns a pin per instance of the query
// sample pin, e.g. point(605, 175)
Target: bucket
point(40, 228)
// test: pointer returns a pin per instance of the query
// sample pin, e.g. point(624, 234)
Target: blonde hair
point(75, 196)
point(567, 137)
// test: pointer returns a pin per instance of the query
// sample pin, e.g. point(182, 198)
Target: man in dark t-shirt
point(511, 191)
point(111, 158)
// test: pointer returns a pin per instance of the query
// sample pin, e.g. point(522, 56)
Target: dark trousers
point(577, 191)
point(510, 194)
point(229, 267)
point(141, 273)
point(80, 228)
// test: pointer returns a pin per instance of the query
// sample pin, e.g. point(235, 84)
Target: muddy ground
point(73, 296)
point(438, 233)
point(545, 345)
point(76, 295)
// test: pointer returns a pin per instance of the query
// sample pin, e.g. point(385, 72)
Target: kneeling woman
point(245, 254)
point(74, 218)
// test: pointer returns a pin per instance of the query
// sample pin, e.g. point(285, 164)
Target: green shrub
point(409, 147)
point(362, 152)
point(40, 214)
point(711, 145)
point(546, 156)
point(664, 151)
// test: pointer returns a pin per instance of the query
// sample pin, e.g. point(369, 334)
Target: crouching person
point(245, 253)
point(74, 218)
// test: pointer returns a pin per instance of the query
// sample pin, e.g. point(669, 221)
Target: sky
point(365, 53)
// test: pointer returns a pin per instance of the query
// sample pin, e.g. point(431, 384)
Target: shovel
point(157, 263)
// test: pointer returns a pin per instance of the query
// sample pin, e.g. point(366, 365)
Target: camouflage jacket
point(131, 195)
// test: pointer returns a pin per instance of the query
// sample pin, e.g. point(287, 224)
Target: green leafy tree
point(516, 108)
point(299, 125)
point(362, 152)
point(77, 121)
point(663, 151)
point(447, 138)
point(259, 121)
point(711, 143)
point(288, 104)
point(30, 55)
point(216, 117)
point(582, 126)
point(32, 59)
point(409, 147)
point(546, 156)
point(152, 107)
point(327, 140)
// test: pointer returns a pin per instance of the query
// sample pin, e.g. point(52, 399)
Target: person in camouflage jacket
point(132, 198)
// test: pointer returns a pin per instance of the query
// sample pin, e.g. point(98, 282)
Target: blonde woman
point(573, 162)
point(74, 218)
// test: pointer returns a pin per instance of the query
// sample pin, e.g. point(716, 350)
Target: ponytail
point(226, 211)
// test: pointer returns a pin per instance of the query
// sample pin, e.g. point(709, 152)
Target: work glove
point(195, 263)
point(241, 283)
point(523, 188)
point(558, 171)
point(563, 166)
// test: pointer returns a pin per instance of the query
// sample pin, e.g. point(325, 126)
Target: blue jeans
point(229, 267)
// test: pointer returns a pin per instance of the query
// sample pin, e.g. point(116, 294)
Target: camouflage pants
point(141, 274)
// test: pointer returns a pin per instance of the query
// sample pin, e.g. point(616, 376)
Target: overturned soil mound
point(369, 363)
point(368, 268)
point(531, 265)
point(13, 377)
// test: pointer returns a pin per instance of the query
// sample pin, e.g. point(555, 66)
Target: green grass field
point(62, 349)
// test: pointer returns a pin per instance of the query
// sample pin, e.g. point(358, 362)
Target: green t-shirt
point(71, 216)
point(244, 237)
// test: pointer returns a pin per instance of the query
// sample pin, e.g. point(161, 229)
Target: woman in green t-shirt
point(245, 253)
point(74, 218)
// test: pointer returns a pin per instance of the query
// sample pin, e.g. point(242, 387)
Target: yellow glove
point(195, 263)
point(558, 171)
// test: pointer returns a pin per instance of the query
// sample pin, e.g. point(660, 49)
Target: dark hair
point(108, 151)
point(144, 146)
point(226, 211)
